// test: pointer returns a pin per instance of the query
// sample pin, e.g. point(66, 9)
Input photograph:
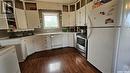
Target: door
point(56, 41)
point(65, 19)
point(33, 20)
point(24, 48)
point(71, 39)
point(72, 18)
point(3, 19)
point(104, 15)
point(101, 47)
point(78, 18)
point(21, 19)
point(9, 62)
point(82, 16)
point(40, 42)
point(65, 40)
point(30, 45)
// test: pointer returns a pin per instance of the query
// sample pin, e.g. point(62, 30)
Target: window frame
point(43, 22)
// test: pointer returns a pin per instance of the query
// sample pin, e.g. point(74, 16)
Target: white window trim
point(50, 13)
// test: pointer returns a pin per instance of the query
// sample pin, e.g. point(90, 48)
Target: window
point(51, 20)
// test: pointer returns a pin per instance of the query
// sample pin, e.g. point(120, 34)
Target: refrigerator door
point(123, 49)
point(103, 16)
point(100, 48)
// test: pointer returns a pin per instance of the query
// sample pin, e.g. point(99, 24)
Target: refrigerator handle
point(88, 36)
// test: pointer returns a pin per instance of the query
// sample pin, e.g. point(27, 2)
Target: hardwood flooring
point(66, 60)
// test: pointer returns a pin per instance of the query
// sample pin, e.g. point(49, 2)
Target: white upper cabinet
point(21, 19)
point(88, 11)
point(3, 21)
point(65, 19)
point(68, 19)
point(82, 20)
point(80, 17)
point(72, 18)
point(33, 20)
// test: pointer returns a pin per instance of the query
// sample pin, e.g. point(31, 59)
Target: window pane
point(51, 21)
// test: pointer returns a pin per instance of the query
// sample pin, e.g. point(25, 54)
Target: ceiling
point(60, 1)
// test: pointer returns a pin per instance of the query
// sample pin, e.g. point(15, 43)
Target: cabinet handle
point(52, 36)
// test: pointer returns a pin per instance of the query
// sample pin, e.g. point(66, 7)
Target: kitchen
point(64, 36)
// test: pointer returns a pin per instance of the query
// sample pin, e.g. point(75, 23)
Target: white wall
point(48, 5)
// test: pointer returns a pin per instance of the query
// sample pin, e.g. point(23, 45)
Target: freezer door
point(100, 48)
point(104, 15)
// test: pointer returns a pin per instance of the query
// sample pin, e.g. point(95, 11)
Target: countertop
point(6, 48)
point(37, 34)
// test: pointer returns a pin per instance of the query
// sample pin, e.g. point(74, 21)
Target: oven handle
point(81, 37)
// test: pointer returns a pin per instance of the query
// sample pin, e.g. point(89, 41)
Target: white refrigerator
point(122, 59)
point(102, 26)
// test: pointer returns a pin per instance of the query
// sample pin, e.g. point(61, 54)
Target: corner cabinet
point(33, 20)
point(80, 17)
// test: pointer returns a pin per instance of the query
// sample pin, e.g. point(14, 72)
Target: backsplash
point(4, 33)
point(74, 29)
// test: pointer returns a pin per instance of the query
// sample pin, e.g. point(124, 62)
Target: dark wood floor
point(66, 60)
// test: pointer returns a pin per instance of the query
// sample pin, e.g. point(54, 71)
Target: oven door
point(81, 44)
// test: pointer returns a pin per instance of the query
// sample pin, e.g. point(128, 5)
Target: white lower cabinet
point(68, 40)
point(56, 41)
point(40, 43)
point(29, 42)
point(71, 39)
point(29, 45)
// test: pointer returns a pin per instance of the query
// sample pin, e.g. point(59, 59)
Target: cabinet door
point(3, 21)
point(78, 18)
point(40, 43)
point(65, 40)
point(33, 20)
point(65, 19)
point(21, 19)
point(72, 18)
point(71, 39)
point(68, 40)
point(56, 40)
point(88, 11)
point(24, 48)
point(82, 16)
point(30, 45)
